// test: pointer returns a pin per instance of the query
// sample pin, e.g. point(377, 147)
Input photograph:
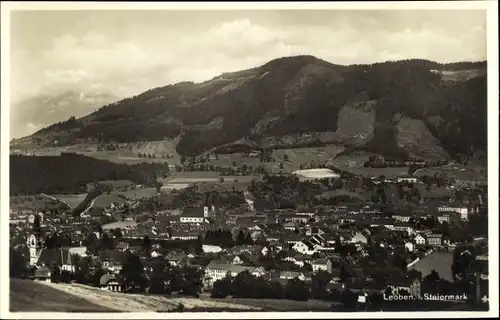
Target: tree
point(221, 288)
point(191, 280)
point(349, 299)
point(463, 262)
point(297, 290)
point(240, 238)
point(17, 264)
point(146, 243)
point(132, 273)
point(36, 225)
point(319, 282)
point(243, 286)
point(117, 233)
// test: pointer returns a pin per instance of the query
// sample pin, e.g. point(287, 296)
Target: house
point(404, 227)
point(112, 260)
point(402, 217)
point(218, 270)
point(411, 286)
point(305, 247)
point(407, 179)
point(359, 237)
point(59, 257)
point(300, 219)
point(264, 251)
point(122, 246)
point(292, 275)
point(318, 239)
point(110, 283)
point(409, 246)
point(195, 215)
point(322, 264)
point(234, 260)
point(462, 210)
point(272, 237)
point(184, 235)
point(290, 226)
point(80, 251)
point(434, 240)
point(292, 239)
point(42, 274)
point(177, 259)
point(383, 222)
point(294, 260)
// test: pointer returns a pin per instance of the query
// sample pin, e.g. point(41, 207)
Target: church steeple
point(35, 247)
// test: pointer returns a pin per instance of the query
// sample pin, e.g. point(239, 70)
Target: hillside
point(29, 296)
point(401, 109)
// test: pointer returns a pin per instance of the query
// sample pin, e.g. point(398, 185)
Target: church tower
point(35, 247)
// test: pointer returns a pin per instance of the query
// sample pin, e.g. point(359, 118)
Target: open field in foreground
point(140, 303)
point(281, 304)
point(30, 296)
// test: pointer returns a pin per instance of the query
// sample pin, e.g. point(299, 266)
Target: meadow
point(30, 296)
point(137, 302)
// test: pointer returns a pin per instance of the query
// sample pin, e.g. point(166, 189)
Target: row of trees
point(245, 285)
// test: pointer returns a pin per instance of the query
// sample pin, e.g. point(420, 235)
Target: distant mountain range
point(400, 109)
point(34, 113)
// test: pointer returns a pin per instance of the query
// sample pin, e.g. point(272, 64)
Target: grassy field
point(296, 157)
point(457, 171)
point(34, 202)
point(299, 156)
point(30, 296)
point(128, 154)
point(208, 180)
point(135, 194)
point(281, 304)
point(136, 302)
point(376, 172)
point(105, 200)
point(73, 200)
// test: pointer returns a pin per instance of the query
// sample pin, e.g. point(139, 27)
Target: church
point(42, 256)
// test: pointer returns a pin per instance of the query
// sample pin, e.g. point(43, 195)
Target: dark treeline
point(70, 173)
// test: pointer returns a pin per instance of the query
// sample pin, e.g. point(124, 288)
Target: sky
point(128, 52)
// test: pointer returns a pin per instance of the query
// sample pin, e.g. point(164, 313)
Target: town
point(272, 239)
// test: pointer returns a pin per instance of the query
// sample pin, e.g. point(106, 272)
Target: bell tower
point(34, 246)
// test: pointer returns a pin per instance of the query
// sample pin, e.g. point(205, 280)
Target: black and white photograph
point(232, 161)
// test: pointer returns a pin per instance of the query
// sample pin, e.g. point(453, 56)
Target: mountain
point(404, 108)
point(34, 113)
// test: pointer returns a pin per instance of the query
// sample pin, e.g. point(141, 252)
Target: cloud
point(133, 56)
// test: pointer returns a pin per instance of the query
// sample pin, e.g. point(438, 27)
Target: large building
point(218, 270)
point(198, 215)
